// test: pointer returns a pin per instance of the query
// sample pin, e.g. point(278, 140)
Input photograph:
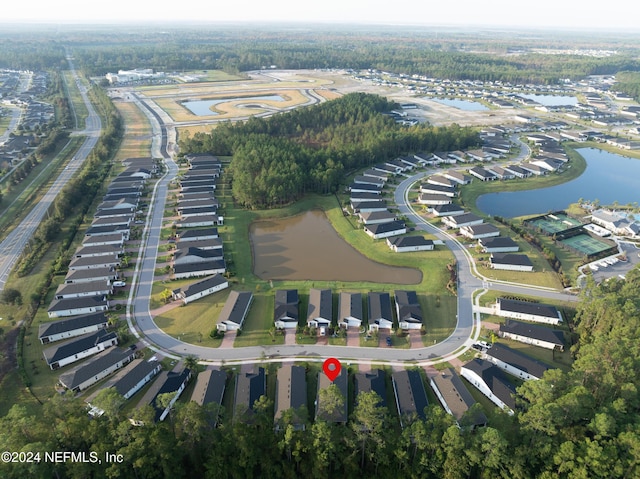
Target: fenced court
point(554, 223)
point(586, 245)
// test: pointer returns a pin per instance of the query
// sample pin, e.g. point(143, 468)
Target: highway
point(15, 242)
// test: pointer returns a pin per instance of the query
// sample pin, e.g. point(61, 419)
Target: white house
point(489, 380)
point(528, 333)
point(511, 262)
point(202, 288)
point(516, 363)
point(484, 230)
point(93, 370)
point(72, 327)
point(235, 310)
point(74, 306)
point(536, 312)
point(285, 311)
point(408, 310)
point(192, 270)
point(385, 230)
point(502, 244)
point(404, 244)
point(380, 311)
point(350, 310)
point(76, 349)
point(320, 310)
point(434, 200)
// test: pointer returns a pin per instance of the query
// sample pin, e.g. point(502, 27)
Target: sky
point(613, 14)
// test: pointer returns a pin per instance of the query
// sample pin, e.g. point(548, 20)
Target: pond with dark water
point(306, 247)
point(609, 177)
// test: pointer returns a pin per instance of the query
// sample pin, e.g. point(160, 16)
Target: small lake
point(609, 177)
point(203, 107)
point(306, 247)
point(552, 100)
point(466, 105)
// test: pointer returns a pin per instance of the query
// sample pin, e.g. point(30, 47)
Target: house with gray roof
point(447, 210)
point(528, 311)
point(79, 290)
point(79, 348)
point(286, 313)
point(193, 270)
point(350, 310)
point(458, 221)
point(484, 230)
point(385, 230)
point(373, 380)
point(291, 394)
point(235, 310)
point(198, 234)
point(72, 327)
point(499, 244)
point(380, 311)
point(209, 389)
point(511, 262)
point(168, 382)
point(91, 262)
point(110, 250)
point(490, 381)
point(532, 334)
point(249, 388)
point(93, 370)
point(408, 310)
point(516, 363)
point(74, 306)
point(89, 275)
point(405, 244)
point(320, 308)
point(455, 398)
point(342, 383)
point(132, 378)
point(411, 397)
point(203, 288)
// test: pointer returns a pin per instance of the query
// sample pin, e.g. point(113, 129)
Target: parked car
point(119, 283)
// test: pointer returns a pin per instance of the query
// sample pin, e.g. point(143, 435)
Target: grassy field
point(137, 137)
point(79, 109)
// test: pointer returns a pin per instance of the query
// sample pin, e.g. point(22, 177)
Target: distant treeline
point(432, 52)
point(629, 83)
point(278, 159)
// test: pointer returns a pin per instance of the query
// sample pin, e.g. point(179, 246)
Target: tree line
point(278, 159)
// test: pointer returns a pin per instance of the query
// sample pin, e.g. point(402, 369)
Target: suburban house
point(411, 397)
point(456, 398)
point(484, 230)
point(500, 172)
point(285, 314)
point(205, 244)
point(200, 221)
point(373, 380)
point(377, 217)
point(91, 262)
point(482, 174)
point(79, 348)
point(438, 189)
point(93, 370)
point(532, 334)
point(501, 244)
point(112, 239)
point(458, 221)
point(385, 230)
point(408, 310)
point(204, 268)
point(94, 274)
point(457, 176)
point(490, 381)
point(249, 388)
point(364, 188)
point(369, 180)
point(132, 378)
point(198, 234)
point(517, 171)
point(370, 207)
point(434, 200)
point(342, 383)
point(320, 310)
point(203, 288)
point(209, 388)
point(291, 394)
point(511, 262)
point(447, 210)
point(111, 250)
point(73, 306)
point(350, 310)
point(404, 244)
point(88, 288)
point(516, 363)
point(168, 382)
point(72, 327)
point(380, 315)
point(235, 310)
point(536, 312)
point(442, 181)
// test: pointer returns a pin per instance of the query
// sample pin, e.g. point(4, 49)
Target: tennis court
point(586, 244)
point(552, 224)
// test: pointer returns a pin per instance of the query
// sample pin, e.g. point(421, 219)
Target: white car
point(119, 283)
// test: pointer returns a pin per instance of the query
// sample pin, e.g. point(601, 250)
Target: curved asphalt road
point(469, 280)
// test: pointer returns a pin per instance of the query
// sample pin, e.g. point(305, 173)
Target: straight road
point(13, 245)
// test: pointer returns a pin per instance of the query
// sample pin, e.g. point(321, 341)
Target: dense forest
point(434, 52)
point(278, 159)
point(629, 83)
point(580, 424)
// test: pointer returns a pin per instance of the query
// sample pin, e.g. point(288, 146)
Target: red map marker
point(331, 368)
